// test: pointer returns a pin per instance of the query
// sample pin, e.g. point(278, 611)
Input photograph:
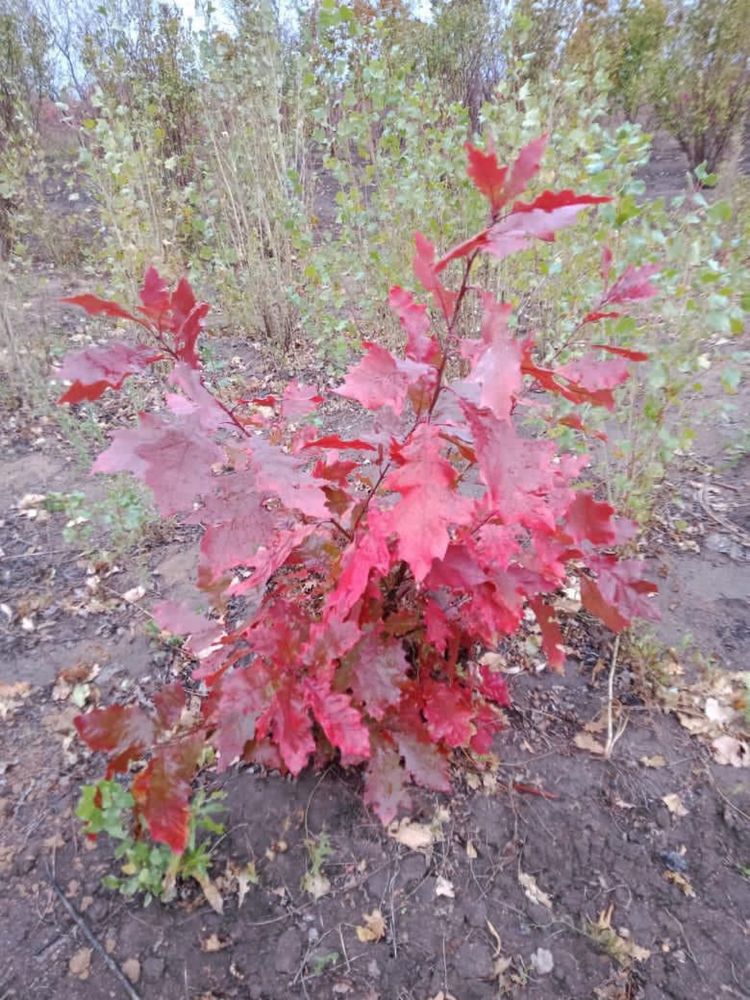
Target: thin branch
point(94, 942)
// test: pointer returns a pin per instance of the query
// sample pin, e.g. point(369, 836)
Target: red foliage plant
point(375, 567)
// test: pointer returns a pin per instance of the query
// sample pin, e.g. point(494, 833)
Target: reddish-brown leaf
point(376, 669)
point(96, 306)
point(553, 643)
point(123, 731)
point(430, 503)
point(95, 369)
point(380, 379)
point(634, 283)
point(162, 791)
point(173, 459)
point(487, 175)
point(416, 325)
point(169, 702)
point(385, 784)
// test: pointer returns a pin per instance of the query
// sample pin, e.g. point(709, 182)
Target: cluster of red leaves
point(374, 567)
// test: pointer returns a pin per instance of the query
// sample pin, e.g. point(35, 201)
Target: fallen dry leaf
point(415, 836)
point(212, 894)
point(585, 741)
point(619, 945)
point(444, 887)
point(656, 761)
point(11, 696)
point(245, 878)
point(730, 751)
point(681, 882)
point(718, 712)
point(471, 851)
point(532, 890)
point(542, 961)
point(694, 724)
point(134, 594)
point(132, 969)
point(316, 884)
point(213, 943)
point(374, 927)
point(675, 804)
point(80, 963)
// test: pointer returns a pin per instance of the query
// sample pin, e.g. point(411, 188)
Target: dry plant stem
point(94, 942)
point(612, 736)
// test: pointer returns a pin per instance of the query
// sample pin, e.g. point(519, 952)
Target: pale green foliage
point(702, 80)
point(147, 868)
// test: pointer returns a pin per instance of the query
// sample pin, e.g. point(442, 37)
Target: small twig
point(611, 737)
point(343, 949)
point(93, 941)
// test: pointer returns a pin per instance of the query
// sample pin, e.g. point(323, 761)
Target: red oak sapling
point(373, 568)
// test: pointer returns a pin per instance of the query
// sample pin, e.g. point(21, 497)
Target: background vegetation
point(283, 161)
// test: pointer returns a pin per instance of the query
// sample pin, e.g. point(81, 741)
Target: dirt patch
point(516, 895)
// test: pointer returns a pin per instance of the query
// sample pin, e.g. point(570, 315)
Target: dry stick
point(612, 737)
point(93, 941)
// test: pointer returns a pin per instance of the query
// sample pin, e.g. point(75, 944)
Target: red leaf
point(334, 441)
point(496, 364)
point(620, 592)
point(589, 519)
point(182, 620)
point(463, 249)
point(197, 403)
point(437, 625)
point(155, 292)
point(593, 601)
point(593, 380)
point(284, 475)
point(495, 182)
point(632, 284)
point(340, 720)
point(235, 705)
point(382, 380)
point(539, 219)
point(448, 712)
point(623, 352)
point(426, 271)
point(162, 791)
point(553, 643)
point(488, 177)
point(123, 731)
point(95, 306)
point(416, 325)
point(169, 702)
point(238, 524)
point(594, 317)
point(426, 764)
point(430, 503)
point(368, 552)
point(96, 369)
point(172, 459)
point(186, 324)
point(376, 668)
point(292, 728)
point(517, 471)
point(494, 687)
point(486, 723)
point(299, 400)
point(385, 785)
point(527, 164)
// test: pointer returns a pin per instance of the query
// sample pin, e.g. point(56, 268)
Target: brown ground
point(627, 897)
